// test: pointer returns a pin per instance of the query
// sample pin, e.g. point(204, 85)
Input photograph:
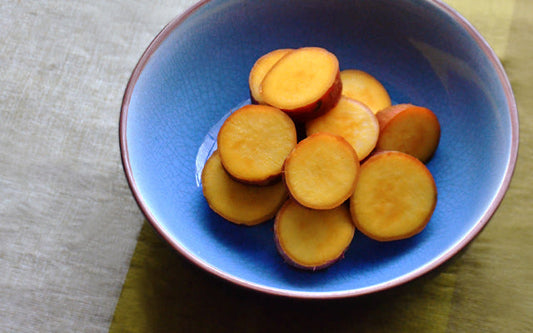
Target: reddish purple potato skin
point(295, 264)
point(287, 259)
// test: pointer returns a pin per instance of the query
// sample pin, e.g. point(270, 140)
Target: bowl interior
point(196, 71)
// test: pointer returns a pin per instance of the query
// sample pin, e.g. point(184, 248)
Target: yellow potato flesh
point(259, 70)
point(413, 130)
point(352, 120)
point(313, 238)
point(254, 142)
point(365, 88)
point(321, 171)
point(394, 198)
point(237, 202)
point(300, 78)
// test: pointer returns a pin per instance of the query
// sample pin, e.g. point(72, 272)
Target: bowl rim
point(420, 271)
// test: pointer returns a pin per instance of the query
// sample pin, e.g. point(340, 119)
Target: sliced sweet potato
point(304, 83)
point(411, 129)
point(237, 202)
point(365, 88)
point(312, 239)
point(352, 120)
point(394, 198)
point(321, 171)
point(258, 71)
point(253, 143)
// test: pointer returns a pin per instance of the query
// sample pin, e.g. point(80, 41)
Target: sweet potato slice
point(312, 239)
point(304, 83)
point(254, 142)
point(394, 198)
point(321, 171)
point(237, 202)
point(365, 88)
point(352, 120)
point(259, 70)
point(411, 129)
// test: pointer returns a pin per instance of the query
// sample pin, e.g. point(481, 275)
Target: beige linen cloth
point(76, 255)
point(68, 222)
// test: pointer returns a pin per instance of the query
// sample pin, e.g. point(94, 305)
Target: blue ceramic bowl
point(196, 71)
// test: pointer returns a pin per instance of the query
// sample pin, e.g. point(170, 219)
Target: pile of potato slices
point(323, 152)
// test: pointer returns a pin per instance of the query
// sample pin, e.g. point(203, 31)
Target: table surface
point(76, 254)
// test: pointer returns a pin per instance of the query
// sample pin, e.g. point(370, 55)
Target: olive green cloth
point(488, 287)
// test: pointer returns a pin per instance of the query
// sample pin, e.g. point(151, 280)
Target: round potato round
point(237, 202)
point(408, 128)
point(312, 239)
point(253, 143)
point(394, 198)
point(305, 83)
point(321, 171)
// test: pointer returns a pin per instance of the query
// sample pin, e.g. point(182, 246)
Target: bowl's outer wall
point(197, 69)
